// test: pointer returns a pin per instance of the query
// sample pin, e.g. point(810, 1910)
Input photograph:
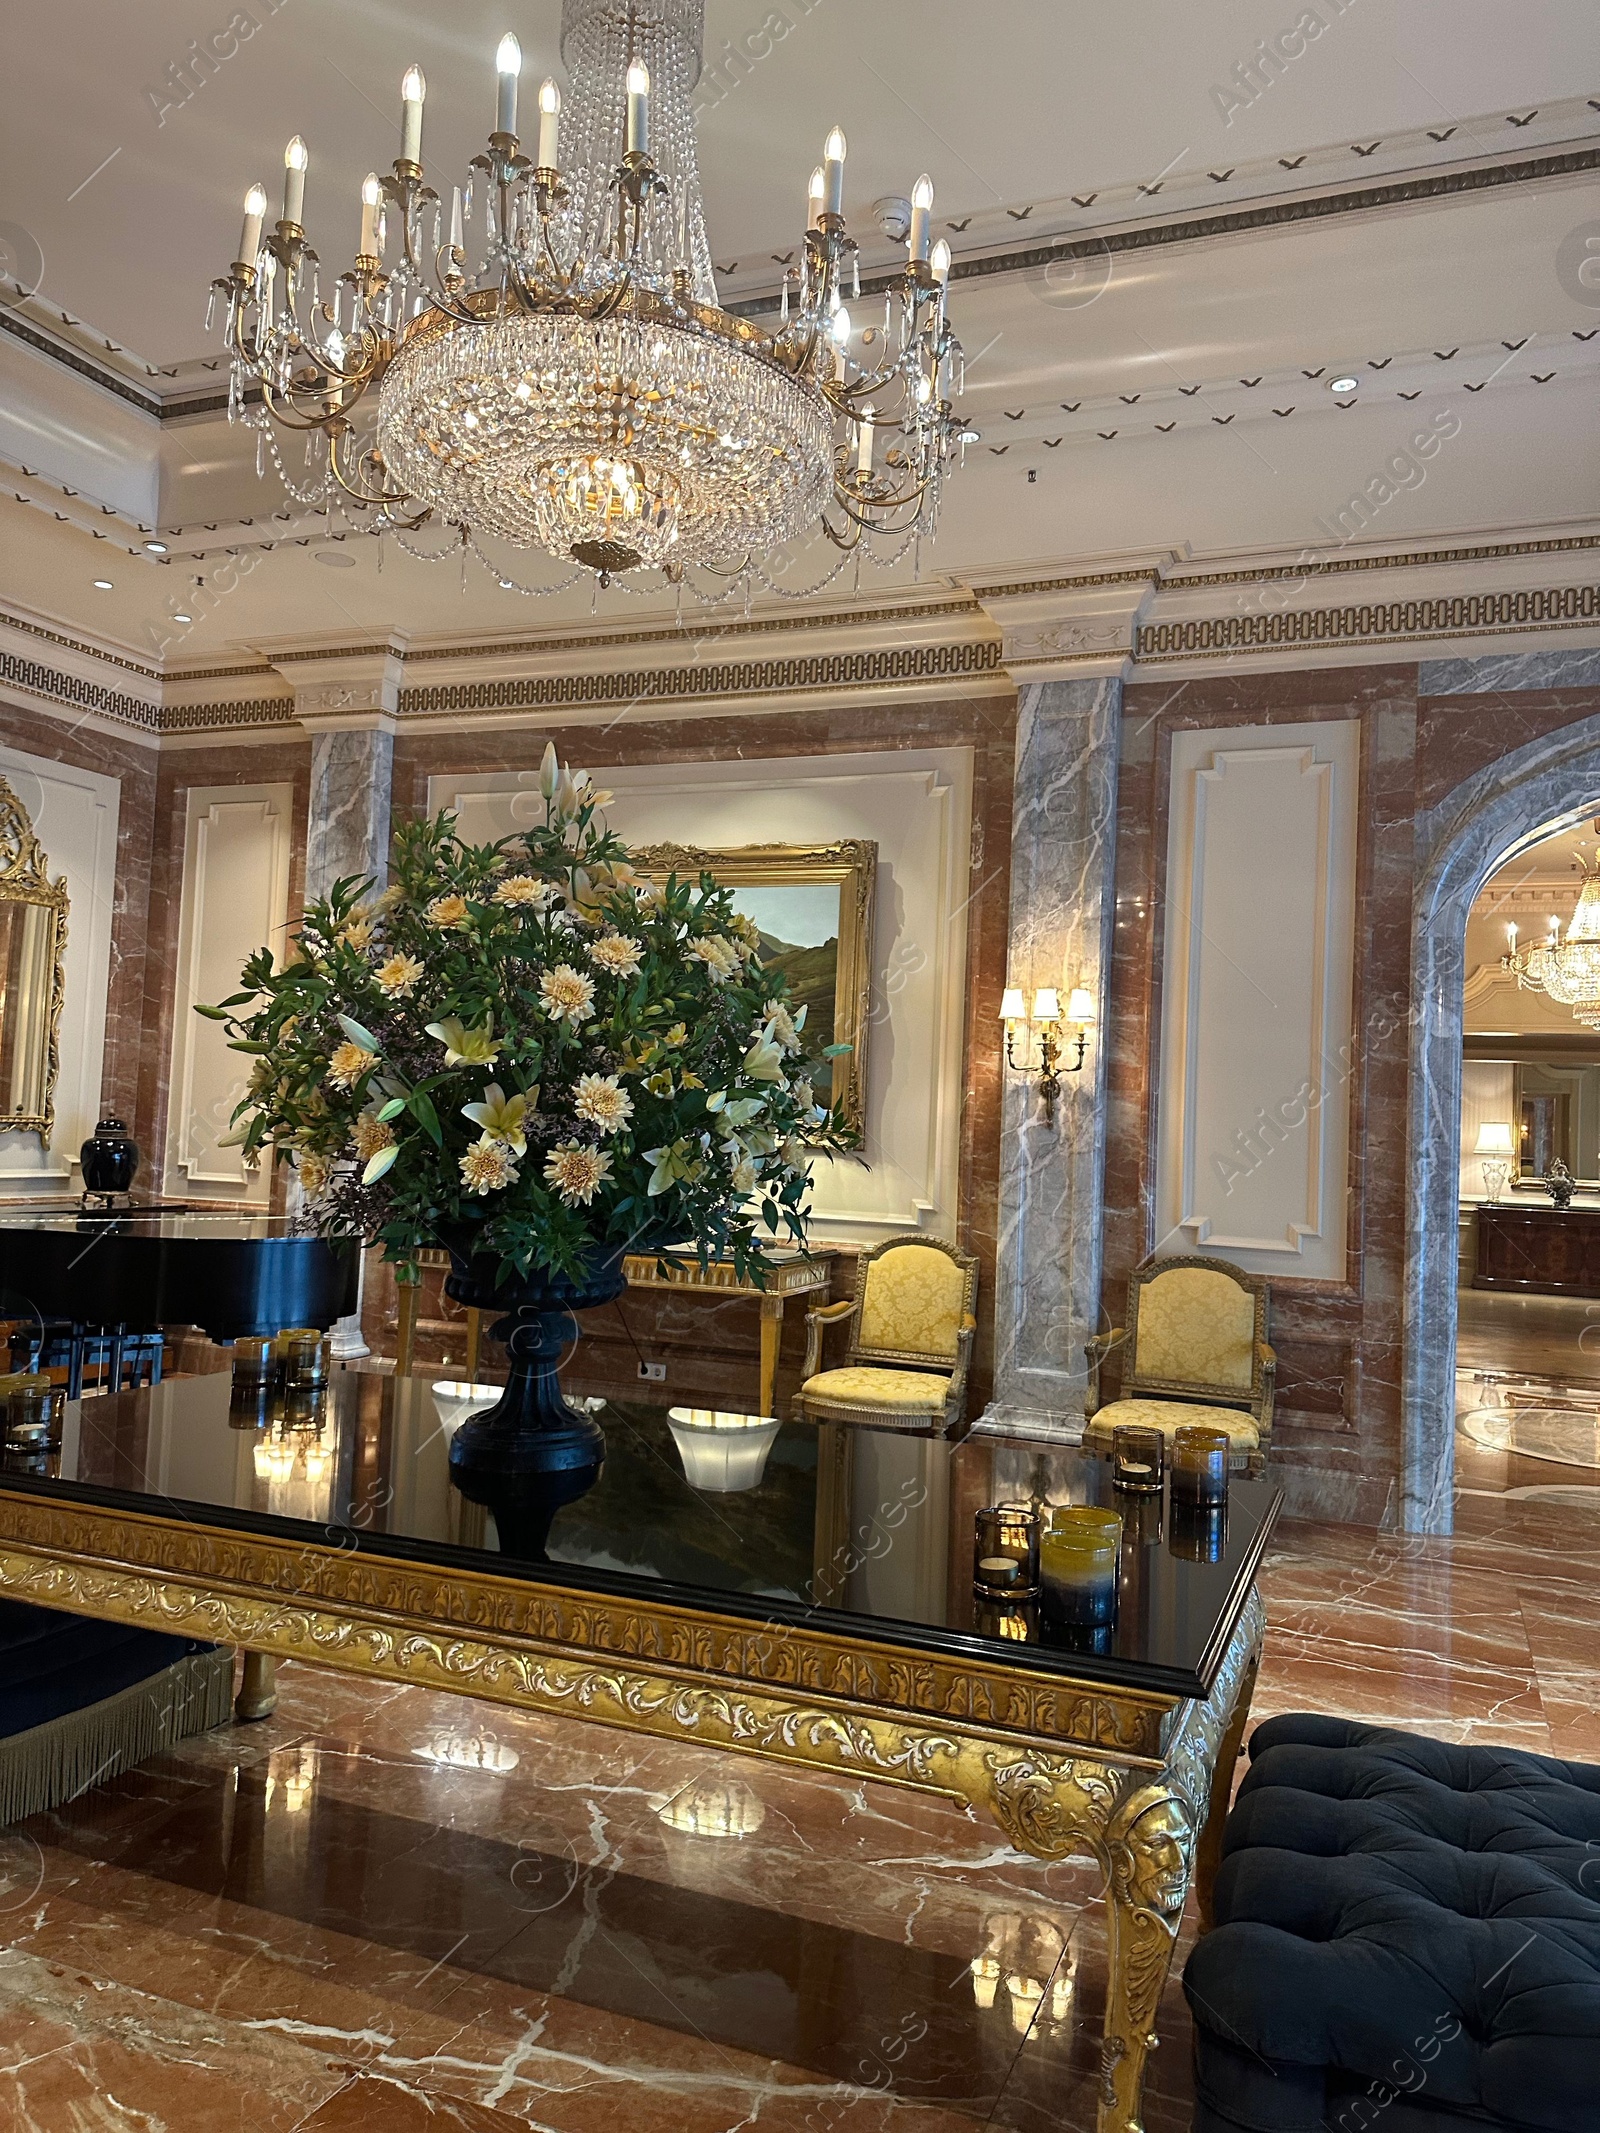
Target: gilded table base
point(1137, 1782)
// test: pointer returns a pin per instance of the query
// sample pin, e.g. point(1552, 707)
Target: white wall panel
point(916, 805)
point(1253, 1114)
point(237, 849)
point(74, 815)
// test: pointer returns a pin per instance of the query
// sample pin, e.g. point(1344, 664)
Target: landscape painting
point(813, 905)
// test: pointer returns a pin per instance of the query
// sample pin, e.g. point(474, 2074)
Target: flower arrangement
point(528, 1044)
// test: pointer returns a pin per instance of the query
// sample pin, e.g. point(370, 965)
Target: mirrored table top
point(851, 1531)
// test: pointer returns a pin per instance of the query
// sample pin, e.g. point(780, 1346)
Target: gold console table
point(788, 1274)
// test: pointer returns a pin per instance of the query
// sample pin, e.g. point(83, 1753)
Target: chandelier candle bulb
point(458, 235)
point(864, 441)
point(816, 194)
point(295, 160)
point(638, 109)
point(255, 208)
point(940, 262)
point(549, 126)
point(508, 63)
point(371, 204)
point(413, 91)
point(921, 217)
point(833, 156)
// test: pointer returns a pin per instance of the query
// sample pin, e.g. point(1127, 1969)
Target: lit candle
point(941, 261)
point(295, 160)
point(1511, 937)
point(549, 126)
point(864, 440)
point(833, 154)
point(255, 208)
point(457, 232)
point(921, 216)
point(814, 198)
point(508, 60)
point(371, 203)
point(638, 109)
point(412, 91)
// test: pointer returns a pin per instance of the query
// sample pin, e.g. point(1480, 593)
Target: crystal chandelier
point(1566, 970)
point(542, 358)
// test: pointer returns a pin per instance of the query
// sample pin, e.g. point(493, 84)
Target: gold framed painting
point(813, 904)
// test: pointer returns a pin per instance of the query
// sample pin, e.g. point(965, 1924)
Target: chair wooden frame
point(1257, 1400)
point(952, 1425)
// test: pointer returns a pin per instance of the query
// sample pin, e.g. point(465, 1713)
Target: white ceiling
point(1014, 109)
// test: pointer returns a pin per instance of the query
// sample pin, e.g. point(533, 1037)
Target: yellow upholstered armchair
point(911, 1329)
point(1194, 1351)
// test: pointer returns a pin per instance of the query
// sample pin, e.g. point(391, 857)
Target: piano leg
point(258, 1691)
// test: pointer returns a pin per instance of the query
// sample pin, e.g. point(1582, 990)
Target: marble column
point(347, 701)
point(1063, 857)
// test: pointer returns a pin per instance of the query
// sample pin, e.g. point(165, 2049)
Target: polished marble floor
point(384, 1910)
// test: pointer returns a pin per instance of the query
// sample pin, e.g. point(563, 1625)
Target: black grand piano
point(132, 1270)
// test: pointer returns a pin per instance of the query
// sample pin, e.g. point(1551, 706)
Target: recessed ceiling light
point(183, 618)
point(155, 547)
point(103, 585)
point(333, 560)
point(1343, 385)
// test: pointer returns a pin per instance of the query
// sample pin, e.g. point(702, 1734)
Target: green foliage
point(637, 1074)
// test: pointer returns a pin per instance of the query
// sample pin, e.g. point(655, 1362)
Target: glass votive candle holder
point(1200, 1466)
point(1078, 1556)
point(33, 1412)
point(1198, 1532)
point(1012, 1621)
point(302, 1356)
point(1005, 1552)
point(1138, 1456)
point(252, 1366)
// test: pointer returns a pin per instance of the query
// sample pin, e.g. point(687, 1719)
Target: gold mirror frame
point(25, 879)
point(853, 864)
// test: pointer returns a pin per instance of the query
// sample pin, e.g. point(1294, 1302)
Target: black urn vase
point(531, 1453)
point(110, 1157)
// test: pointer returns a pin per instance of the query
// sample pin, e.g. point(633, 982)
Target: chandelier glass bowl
point(546, 357)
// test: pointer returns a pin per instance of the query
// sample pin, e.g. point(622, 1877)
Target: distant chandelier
point(1567, 970)
point(551, 363)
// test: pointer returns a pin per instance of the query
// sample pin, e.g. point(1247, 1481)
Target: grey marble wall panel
point(1063, 858)
point(347, 828)
point(1574, 668)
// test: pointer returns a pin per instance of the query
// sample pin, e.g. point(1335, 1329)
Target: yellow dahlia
point(599, 1099)
point(370, 1134)
point(521, 889)
point(348, 1064)
point(576, 1172)
point(448, 910)
point(567, 993)
point(399, 975)
point(487, 1167)
point(618, 954)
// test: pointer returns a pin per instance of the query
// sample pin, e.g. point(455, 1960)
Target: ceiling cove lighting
point(539, 355)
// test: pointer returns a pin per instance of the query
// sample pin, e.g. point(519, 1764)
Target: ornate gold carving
point(25, 881)
point(1051, 1806)
point(333, 1594)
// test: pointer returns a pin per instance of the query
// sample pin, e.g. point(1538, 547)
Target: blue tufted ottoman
point(82, 1701)
point(1406, 1937)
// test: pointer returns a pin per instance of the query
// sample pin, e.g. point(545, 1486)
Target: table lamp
point(1494, 1149)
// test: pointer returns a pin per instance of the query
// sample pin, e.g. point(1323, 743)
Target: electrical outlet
point(656, 1373)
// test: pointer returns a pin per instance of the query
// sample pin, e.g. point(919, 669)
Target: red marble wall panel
point(1460, 735)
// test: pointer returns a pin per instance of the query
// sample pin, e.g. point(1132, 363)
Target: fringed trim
point(51, 1764)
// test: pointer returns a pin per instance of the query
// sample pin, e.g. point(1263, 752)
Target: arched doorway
point(1548, 785)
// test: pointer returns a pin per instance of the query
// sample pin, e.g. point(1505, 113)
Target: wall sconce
point(1043, 1027)
point(1495, 1148)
